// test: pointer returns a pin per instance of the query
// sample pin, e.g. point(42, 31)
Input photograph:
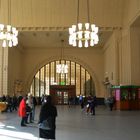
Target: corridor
point(74, 124)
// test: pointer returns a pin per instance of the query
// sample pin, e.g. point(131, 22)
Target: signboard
point(117, 94)
point(139, 93)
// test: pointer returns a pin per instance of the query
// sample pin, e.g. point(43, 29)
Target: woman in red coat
point(22, 111)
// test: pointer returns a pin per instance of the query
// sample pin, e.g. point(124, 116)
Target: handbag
point(46, 124)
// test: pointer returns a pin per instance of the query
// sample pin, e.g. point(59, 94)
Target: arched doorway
point(62, 85)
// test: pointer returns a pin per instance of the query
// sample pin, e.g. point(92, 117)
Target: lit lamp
point(83, 34)
point(62, 68)
point(8, 34)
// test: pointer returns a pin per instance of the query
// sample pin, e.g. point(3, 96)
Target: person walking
point(48, 112)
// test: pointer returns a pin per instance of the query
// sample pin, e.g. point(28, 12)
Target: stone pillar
point(3, 70)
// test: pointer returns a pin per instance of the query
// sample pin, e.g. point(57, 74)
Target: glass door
point(65, 95)
point(61, 97)
point(60, 94)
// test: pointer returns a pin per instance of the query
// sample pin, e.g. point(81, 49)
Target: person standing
point(14, 102)
point(22, 111)
point(34, 107)
point(111, 102)
point(9, 103)
point(93, 105)
point(30, 104)
point(81, 101)
point(48, 110)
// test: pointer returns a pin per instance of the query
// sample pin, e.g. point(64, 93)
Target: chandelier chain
point(9, 12)
point(0, 6)
point(77, 11)
point(88, 11)
point(62, 49)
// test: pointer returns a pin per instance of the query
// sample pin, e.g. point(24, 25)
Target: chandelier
point(8, 34)
point(83, 34)
point(62, 68)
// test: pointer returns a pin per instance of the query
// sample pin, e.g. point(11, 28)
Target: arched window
point(76, 76)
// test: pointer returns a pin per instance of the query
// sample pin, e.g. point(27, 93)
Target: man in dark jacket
point(93, 105)
point(48, 111)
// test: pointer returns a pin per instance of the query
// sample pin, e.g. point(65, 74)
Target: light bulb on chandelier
point(8, 35)
point(62, 68)
point(83, 34)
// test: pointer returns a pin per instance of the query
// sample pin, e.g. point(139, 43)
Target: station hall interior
point(48, 54)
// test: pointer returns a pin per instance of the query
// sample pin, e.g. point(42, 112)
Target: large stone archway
point(70, 58)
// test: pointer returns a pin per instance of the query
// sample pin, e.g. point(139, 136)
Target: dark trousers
point(23, 120)
point(93, 110)
point(111, 106)
point(28, 117)
point(9, 107)
point(14, 107)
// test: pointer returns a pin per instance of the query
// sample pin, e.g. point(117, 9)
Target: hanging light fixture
point(83, 34)
point(62, 68)
point(8, 34)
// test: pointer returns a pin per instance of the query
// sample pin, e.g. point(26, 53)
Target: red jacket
point(22, 108)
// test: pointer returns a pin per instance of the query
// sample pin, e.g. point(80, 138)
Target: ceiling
point(31, 39)
point(136, 23)
point(106, 14)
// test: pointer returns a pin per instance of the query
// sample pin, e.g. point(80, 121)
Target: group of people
point(88, 103)
point(12, 102)
point(48, 110)
point(27, 109)
point(91, 104)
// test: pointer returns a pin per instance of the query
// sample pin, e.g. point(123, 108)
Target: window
point(77, 75)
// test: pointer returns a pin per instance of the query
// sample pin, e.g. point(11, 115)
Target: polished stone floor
point(73, 124)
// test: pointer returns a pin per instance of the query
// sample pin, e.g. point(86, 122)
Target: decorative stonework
point(18, 87)
point(62, 28)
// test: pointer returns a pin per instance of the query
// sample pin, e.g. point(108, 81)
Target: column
point(3, 70)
